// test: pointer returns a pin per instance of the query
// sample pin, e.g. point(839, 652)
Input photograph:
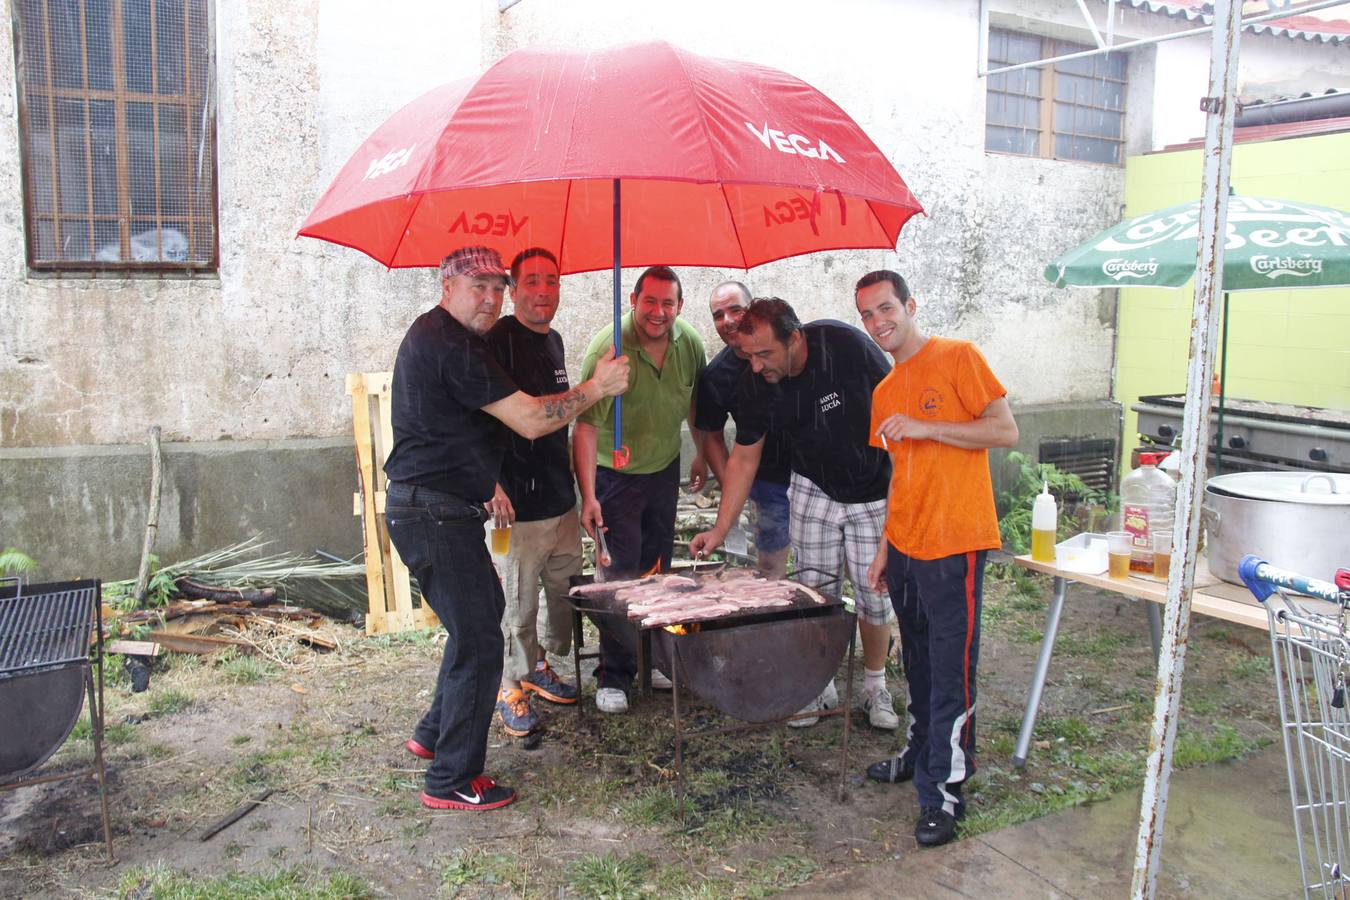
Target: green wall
point(1283, 346)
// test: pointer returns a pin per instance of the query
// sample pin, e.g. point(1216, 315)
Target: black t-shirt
point(536, 474)
point(444, 374)
point(717, 399)
point(826, 412)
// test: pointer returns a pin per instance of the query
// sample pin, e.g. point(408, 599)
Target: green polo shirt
point(656, 402)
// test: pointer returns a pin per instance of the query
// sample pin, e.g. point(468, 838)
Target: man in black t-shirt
point(535, 495)
point(715, 401)
point(450, 399)
point(814, 384)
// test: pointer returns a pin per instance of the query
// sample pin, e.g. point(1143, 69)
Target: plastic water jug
point(1148, 502)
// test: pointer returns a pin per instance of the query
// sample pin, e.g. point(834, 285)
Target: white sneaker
point(660, 682)
point(611, 700)
point(880, 709)
point(828, 699)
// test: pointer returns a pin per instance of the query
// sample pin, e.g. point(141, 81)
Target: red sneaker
point(480, 793)
point(418, 750)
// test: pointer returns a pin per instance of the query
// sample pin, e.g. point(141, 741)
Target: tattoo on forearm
point(565, 406)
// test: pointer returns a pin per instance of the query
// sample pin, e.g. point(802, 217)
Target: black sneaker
point(480, 793)
point(935, 827)
point(895, 770)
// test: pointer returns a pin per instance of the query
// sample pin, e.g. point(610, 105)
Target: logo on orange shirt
point(930, 402)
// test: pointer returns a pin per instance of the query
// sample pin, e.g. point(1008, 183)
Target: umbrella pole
point(1223, 388)
point(620, 455)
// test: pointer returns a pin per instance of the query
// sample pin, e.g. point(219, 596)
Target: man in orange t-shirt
point(937, 413)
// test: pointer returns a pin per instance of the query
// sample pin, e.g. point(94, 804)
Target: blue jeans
point(440, 538)
point(771, 515)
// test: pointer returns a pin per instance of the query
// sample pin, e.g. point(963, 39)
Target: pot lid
point(1319, 488)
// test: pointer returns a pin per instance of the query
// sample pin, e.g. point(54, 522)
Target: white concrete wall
point(260, 351)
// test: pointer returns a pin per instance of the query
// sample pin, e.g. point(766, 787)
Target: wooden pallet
point(392, 604)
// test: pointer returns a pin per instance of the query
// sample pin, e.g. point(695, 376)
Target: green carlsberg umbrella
point(1272, 245)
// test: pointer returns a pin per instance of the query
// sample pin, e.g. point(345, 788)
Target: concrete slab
point(1229, 833)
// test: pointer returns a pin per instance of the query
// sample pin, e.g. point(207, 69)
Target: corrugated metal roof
point(1286, 98)
point(1308, 28)
point(1270, 133)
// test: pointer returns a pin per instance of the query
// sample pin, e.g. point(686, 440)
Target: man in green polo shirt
point(635, 505)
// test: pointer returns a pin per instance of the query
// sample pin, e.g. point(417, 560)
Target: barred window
point(117, 134)
point(1084, 117)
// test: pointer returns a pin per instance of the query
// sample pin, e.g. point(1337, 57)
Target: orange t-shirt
point(942, 498)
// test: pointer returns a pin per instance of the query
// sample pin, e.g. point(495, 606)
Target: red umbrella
point(720, 163)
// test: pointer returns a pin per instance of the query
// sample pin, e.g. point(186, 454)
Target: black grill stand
point(844, 709)
point(44, 630)
point(644, 655)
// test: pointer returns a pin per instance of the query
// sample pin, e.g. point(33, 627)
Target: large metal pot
point(1295, 520)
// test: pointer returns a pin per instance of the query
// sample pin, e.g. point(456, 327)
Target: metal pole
point(982, 66)
point(1223, 388)
point(1023, 746)
point(984, 69)
point(1220, 105)
point(618, 316)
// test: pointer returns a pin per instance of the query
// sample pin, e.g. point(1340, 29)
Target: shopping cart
point(1310, 644)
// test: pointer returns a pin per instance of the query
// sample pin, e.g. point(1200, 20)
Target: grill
point(45, 631)
point(759, 666)
point(45, 674)
point(1257, 435)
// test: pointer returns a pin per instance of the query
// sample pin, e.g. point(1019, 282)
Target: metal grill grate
point(46, 626)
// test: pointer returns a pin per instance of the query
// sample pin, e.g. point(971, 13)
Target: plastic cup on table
point(1162, 554)
point(1118, 544)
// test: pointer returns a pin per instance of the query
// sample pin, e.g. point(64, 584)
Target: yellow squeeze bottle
point(1044, 521)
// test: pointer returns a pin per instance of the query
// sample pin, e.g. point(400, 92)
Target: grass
point(612, 877)
point(115, 734)
point(159, 882)
point(263, 769)
point(169, 701)
point(417, 637)
point(1252, 667)
point(756, 818)
point(1221, 744)
point(479, 867)
point(1100, 643)
point(238, 668)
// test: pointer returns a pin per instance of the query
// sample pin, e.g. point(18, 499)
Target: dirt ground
point(596, 815)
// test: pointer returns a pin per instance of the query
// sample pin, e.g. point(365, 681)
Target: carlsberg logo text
point(1129, 268)
point(1274, 266)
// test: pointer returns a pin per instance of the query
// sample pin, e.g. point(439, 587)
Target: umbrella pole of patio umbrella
point(621, 453)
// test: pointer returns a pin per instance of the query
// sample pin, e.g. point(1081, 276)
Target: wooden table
point(1211, 597)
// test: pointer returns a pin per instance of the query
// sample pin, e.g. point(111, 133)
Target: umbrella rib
point(406, 229)
point(702, 121)
point(745, 263)
point(567, 207)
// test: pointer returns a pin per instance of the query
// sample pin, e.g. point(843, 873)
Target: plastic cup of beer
point(501, 536)
point(1162, 554)
point(1118, 545)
